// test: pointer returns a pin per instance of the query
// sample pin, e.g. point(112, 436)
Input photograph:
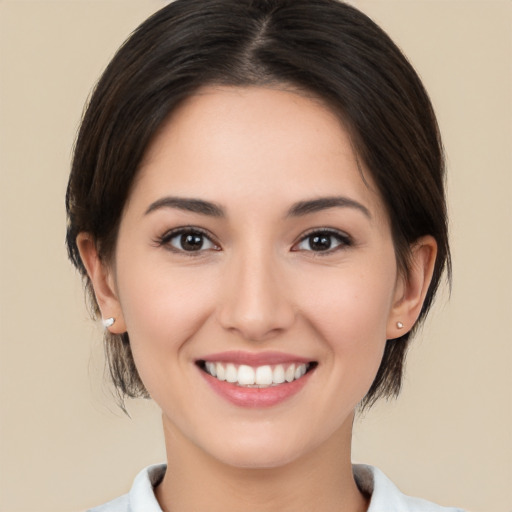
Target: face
point(256, 276)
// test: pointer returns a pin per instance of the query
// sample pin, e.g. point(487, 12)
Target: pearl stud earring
point(108, 322)
point(400, 325)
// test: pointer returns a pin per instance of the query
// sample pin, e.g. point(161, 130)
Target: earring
point(108, 322)
point(400, 325)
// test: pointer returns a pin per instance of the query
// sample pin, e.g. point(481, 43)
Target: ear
point(411, 289)
point(102, 282)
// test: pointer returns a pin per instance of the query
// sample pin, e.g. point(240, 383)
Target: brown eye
point(323, 241)
point(320, 242)
point(188, 240)
point(191, 242)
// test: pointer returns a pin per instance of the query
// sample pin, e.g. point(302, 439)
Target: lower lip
point(256, 397)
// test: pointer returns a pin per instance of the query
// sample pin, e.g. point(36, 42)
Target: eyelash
point(166, 238)
point(343, 241)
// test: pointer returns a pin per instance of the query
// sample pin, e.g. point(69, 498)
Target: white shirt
point(385, 496)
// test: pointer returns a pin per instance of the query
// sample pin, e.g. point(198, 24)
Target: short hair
point(324, 47)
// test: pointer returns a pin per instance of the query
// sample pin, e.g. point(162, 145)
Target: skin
point(257, 284)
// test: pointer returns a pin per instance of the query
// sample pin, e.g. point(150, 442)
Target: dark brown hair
point(323, 47)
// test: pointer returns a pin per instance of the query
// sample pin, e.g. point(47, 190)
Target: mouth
point(263, 376)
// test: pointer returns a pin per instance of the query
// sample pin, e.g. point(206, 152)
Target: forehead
point(227, 143)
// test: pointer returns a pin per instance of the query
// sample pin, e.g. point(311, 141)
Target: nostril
point(255, 305)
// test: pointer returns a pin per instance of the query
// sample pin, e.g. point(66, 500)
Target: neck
point(321, 480)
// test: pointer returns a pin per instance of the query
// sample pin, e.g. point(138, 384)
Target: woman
point(256, 204)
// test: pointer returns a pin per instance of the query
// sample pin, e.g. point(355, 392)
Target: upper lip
point(254, 358)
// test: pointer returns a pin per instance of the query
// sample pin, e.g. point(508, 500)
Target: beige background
point(65, 446)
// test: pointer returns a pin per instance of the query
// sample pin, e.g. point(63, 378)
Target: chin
point(259, 452)
point(258, 459)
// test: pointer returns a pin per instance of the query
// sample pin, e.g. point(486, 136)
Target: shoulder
point(141, 497)
point(385, 496)
point(121, 504)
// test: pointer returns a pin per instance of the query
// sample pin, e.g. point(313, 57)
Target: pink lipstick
point(256, 379)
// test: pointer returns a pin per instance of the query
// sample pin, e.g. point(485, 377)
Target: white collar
point(385, 496)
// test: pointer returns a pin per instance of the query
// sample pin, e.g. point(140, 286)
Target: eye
point(323, 241)
point(188, 240)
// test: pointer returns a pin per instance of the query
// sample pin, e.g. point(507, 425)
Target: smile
point(256, 380)
point(256, 377)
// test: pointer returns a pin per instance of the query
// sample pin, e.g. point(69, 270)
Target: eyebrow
point(187, 204)
point(323, 203)
point(297, 210)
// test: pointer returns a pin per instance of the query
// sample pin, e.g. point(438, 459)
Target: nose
point(255, 301)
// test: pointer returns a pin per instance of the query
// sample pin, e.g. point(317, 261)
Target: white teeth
point(245, 375)
point(220, 371)
point(231, 373)
point(300, 371)
point(211, 367)
point(278, 374)
point(261, 376)
point(289, 374)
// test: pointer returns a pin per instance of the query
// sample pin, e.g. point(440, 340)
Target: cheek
point(349, 313)
point(162, 307)
point(354, 306)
